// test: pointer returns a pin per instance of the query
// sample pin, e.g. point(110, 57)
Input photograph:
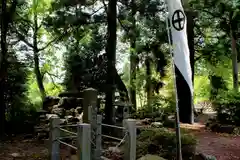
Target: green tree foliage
point(17, 103)
point(28, 28)
point(82, 65)
point(227, 106)
point(217, 25)
point(162, 142)
point(81, 38)
point(146, 31)
point(86, 22)
point(88, 34)
point(217, 31)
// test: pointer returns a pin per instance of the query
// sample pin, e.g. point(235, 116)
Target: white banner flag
point(179, 40)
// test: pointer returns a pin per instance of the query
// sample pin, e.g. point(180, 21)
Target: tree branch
point(212, 14)
point(95, 11)
point(39, 26)
point(105, 5)
point(14, 42)
point(124, 28)
point(25, 20)
point(49, 43)
point(53, 40)
point(51, 76)
point(22, 38)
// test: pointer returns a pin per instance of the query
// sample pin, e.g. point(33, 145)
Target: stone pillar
point(90, 113)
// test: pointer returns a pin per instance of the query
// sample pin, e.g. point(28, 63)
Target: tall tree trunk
point(5, 20)
point(2, 109)
point(133, 58)
point(37, 71)
point(121, 87)
point(234, 54)
point(148, 82)
point(3, 68)
point(111, 59)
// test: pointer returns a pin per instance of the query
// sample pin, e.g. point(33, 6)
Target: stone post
point(54, 135)
point(84, 141)
point(98, 150)
point(131, 139)
point(90, 113)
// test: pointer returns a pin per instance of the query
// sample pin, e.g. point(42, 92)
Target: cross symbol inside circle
point(178, 20)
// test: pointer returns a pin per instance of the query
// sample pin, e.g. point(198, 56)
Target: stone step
point(41, 111)
point(42, 129)
point(43, 121)
point(51, 115)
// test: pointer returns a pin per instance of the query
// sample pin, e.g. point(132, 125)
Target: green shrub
point(168, 123)
point(19, 111)
point(22, 120)
point(160, 108)
point(162, 142)
point(227, 105)
point(145, 112)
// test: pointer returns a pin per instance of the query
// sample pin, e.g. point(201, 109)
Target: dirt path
point(20, 149)
point(222, 146)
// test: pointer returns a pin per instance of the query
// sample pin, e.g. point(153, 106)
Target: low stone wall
point(68, 109)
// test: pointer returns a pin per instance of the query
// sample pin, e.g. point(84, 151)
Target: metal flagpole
point(178, 132)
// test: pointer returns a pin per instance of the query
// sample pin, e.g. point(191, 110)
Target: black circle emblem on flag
point(178, 20)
